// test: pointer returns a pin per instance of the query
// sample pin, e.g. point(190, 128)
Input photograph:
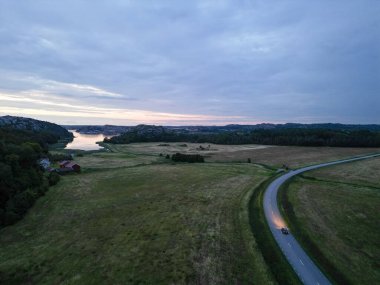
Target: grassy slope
point(150, 224)
point(337, 209)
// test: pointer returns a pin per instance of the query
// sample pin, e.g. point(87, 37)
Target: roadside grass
point(292, 156)
point(364, 173)
point(153, 224)
point(308, 243)
point(274, 258)
point(336, 220)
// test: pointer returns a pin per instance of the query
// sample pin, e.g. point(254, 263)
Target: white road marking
point(301, 262)
point(289, 244)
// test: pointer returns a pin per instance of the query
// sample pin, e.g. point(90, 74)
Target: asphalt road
point(305, 268)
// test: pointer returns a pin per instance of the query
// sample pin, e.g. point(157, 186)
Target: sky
point(190, 62)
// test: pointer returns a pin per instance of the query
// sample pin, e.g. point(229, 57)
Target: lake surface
point(85, 142)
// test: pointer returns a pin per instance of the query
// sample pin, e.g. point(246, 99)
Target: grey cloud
point(263, 60)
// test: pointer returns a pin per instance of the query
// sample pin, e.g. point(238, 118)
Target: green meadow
point(130, 219)
point(133, 217)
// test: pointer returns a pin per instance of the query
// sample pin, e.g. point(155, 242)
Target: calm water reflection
point(85, 142)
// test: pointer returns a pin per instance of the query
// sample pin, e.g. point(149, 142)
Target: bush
point(187, 157)
point(59, 157)
point(21, 202)
point(53, 178)
point(10, 218)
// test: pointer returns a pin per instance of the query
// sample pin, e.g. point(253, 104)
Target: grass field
point(142, 224)
point(103, 160)
point(133, 217)
point(337, 209)
point(274, 156)
point(364, 173)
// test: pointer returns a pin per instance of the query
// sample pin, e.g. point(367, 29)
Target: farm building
point(67, 166)
point(63, 163)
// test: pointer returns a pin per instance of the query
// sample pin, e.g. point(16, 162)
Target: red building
point(67, 165)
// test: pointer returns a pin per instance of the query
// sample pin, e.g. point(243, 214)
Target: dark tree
point(21, 179)
point(187, 157)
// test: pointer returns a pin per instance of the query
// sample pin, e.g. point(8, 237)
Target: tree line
point(21, 179)
point(281, 136)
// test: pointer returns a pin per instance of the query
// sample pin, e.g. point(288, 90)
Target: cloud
point(25, 83)
point(260, 60)
point(37, 105)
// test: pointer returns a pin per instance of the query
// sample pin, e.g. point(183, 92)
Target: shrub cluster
point(60, 157)
point(53, 178)
point(187, 157)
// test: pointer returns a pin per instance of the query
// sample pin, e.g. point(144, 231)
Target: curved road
point(305, 268)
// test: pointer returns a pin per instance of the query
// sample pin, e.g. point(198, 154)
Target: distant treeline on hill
point(275, 136)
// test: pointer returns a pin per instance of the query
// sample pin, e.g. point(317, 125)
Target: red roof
point(64, 162)
point(71, 164)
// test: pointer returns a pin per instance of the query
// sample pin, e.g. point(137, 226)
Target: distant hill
point(331, 126)
point(268, 126)
point(115, 130)
point(28, 124)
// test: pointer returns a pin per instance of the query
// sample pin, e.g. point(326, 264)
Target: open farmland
point(134, 217)
point(293, 156)
point(337, 209)
point(275, 156)
point(184, 147)
point(142, 224)
point(103, 160)
point(363, 173)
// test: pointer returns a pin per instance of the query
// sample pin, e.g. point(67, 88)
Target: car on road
point(285, 231)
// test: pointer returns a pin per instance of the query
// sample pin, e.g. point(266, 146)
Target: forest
point(21, 179)
point(277, 136)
